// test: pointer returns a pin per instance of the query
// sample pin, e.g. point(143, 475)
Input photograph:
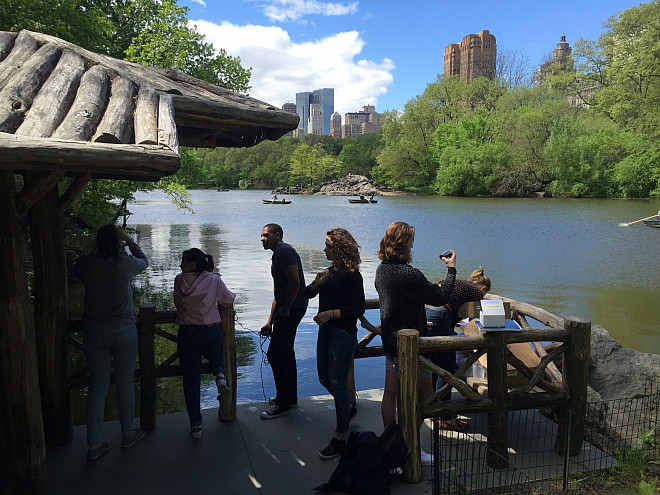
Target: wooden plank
point(227, 408)
point(167, 132)
point(147, 367)
point(54, 99)
point(18, 93)
point(100, 159)
point(87, 108)
point(408, 400)
point(146, 116)
point(24, 46)
point(116, 126)
point(498, 424)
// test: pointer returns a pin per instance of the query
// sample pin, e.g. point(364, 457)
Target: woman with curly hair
point(403, 291)
point(341, 302)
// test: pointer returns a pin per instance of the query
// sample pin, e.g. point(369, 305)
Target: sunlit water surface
point(570, 257)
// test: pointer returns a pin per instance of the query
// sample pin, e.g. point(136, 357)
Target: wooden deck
point(246, 456)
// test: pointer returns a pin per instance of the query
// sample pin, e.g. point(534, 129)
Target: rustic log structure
point(65, 111)
point(546, 386)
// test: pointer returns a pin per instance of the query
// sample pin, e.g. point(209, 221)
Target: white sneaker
point(427, 459)
point(196, 432)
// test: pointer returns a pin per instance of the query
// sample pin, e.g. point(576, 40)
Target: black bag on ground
point(368, 462)
point(394, 450)
point(360, 470)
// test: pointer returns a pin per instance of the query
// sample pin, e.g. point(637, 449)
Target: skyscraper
point(302, 109)
point(474, 56)
point(560, 56)
point(325, 98)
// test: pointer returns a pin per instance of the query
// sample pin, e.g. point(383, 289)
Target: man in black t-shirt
point(288, 308)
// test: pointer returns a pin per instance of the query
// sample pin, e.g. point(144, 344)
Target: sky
point(380, 52)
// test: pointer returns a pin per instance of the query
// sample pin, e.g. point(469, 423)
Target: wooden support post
point(575, 378)
point(51, 316)
point(147, 363)
point(23, 451)
point(227, 409)
point(408, 400)
point(498, 425)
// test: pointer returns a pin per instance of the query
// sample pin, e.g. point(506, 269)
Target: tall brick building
point(474, 56)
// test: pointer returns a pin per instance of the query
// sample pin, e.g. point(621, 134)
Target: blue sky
point(380, 53)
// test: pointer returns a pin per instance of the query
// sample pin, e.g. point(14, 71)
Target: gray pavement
point(246, 456)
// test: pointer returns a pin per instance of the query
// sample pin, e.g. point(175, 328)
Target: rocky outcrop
point(617, 372)
point(351, 185)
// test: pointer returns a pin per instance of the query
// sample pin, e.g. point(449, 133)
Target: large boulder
point(351, 185)
point(616, 372)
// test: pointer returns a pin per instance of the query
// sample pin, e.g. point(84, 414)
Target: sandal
point(96, 452)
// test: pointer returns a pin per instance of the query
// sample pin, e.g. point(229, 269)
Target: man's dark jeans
point(282, 357)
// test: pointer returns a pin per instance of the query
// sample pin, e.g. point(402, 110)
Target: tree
point(303, 165)
point(168, 41)
point(513, 68)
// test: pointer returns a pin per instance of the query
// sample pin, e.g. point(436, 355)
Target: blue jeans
point(440, 325)
point(282, 357)
point(110, 344)
point(334, 351)
point(193, 342)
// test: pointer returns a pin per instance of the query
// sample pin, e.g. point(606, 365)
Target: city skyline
point(380, 54)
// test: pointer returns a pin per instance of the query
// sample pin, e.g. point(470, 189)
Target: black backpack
point(367, 462)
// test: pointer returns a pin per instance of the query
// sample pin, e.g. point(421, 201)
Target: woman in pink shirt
point(197, 293)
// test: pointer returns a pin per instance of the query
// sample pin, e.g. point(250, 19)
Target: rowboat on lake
point(653, 223)
point(362, 200)
point(275, 201)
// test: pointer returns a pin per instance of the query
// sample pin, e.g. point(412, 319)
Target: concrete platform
point(246, 456)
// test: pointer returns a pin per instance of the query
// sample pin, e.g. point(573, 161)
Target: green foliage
point(81, 22)
point(648, 488)
point(168, 41)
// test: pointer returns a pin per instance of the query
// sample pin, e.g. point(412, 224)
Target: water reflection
point(567, 256)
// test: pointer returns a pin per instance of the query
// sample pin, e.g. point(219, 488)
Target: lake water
point(570, 257)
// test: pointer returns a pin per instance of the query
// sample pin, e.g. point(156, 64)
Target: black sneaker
point(275, 412)
point(352, 414)
point(272, 402)
point(333, 449)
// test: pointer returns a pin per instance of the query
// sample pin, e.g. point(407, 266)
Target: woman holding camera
point(403, 291)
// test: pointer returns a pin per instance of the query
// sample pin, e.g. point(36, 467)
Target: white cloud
point(201, 2)
point(283, 10)
point(281, 67)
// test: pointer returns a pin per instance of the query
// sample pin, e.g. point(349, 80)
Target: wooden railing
point(148, 371)
point(545, 387)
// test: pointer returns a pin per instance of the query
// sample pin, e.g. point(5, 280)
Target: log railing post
point(352, 394)
point(227, 409)
point(498, 425)
point(574, 380)
point(407, 400)
point(147, 363)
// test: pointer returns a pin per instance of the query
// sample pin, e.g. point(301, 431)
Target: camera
point(446, 254)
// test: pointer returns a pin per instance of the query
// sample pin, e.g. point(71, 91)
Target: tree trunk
point(21, 430)
point(50, 317)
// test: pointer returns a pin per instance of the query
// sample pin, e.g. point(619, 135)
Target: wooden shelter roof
point(66, 109)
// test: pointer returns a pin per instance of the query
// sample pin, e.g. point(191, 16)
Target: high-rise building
point(290, 108)
point(560, 56)
point(474, 56)
point(302, 109)
point(315, 124)
point(325, 98)
point(335, 125)
point(366, 121)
